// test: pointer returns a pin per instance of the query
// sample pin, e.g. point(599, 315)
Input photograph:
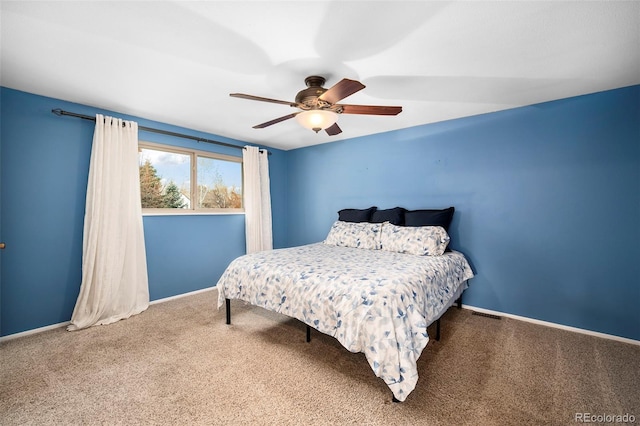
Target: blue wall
point(45, 165)
point(547, 202)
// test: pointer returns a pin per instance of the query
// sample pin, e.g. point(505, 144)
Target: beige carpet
point(178, 363)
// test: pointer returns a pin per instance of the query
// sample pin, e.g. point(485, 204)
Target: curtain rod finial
point(57, 111)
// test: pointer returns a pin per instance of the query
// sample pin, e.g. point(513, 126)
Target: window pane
point(219, 184)
point(164, 179)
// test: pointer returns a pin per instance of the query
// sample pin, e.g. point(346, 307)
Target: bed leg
point(227, 303)
point(438, 329)
point(308, 333)
point(459, 302)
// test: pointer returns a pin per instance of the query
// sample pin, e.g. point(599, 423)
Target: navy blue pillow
point(441, 217)
point(355, 215)
point(394, 216)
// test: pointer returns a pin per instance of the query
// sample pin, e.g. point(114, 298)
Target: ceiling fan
point(319, 107)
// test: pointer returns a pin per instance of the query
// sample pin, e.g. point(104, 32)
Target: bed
point(371, 286)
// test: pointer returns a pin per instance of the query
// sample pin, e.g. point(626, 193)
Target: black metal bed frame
point(228, 312)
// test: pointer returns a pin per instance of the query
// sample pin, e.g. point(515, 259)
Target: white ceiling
point(176, 62)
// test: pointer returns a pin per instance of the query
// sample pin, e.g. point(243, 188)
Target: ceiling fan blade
point(341, 90)
point(371, 109)
point(275, 121)
point(333, 130)
point(258, 98)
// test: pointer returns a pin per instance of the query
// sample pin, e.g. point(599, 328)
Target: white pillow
point(355, 234)
point(420, 240)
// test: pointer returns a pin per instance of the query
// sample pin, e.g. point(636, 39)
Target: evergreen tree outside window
point(167, 173)
point(150, 186)
point(173, 198)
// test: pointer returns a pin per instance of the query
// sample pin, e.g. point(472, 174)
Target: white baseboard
point(554, 325)
point(66, 323)
point(34, 331)
point(179, 296)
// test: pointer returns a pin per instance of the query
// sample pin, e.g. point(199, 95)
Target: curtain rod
point(59, 112)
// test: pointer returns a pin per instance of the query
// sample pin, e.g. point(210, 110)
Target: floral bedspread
point(371, 301)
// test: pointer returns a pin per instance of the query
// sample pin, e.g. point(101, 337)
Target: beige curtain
point(257, 200)
point(114, 266)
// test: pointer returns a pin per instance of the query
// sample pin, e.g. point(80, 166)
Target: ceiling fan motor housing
point(308, 98)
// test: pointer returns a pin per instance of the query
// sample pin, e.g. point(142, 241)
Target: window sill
point(190, 213)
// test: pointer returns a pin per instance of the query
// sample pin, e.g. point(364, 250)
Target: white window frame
point(193, 154)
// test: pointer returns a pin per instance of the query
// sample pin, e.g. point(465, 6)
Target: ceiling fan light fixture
point(317, 119)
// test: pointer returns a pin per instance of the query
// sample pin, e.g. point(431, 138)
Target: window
point(180, 180)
